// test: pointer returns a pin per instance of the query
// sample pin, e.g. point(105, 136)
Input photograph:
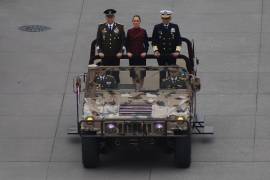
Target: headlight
point(111, 128)
point(89, 118)
point(159, 127)
point(87, 124)
point(180, 118)
point(179, 125)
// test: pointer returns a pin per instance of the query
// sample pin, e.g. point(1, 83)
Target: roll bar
point(189, 60)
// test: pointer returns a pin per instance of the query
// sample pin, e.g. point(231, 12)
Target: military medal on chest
point(104, 31)
point(116, 30)
point(172, 32)
point(160, 34)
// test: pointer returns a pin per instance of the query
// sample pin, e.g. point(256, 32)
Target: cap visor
point(165, 16)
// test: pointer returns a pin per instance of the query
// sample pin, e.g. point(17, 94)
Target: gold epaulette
point(155, 48)
point(178, 48)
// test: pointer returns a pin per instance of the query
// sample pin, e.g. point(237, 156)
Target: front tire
point(90, 152)
point(182, 154)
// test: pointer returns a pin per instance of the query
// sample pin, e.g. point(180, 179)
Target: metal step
point(73, 131)
point(199, 126)
point(208, 130)
point(203, 130)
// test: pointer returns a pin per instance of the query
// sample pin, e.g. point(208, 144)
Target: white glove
point(143, 55)
point(157, 54)
point(119, 55)
point(129, 54)
point(101, 55)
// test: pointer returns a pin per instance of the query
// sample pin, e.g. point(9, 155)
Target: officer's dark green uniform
point(177, 81)
point(110, 41)
point(106, 82)
point(174, 83)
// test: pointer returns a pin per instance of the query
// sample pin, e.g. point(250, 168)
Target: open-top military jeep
point(110, 114)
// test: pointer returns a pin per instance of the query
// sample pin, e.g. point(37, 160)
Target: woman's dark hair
point(139, 17)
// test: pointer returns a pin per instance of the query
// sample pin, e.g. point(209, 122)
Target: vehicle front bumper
point(135, 128)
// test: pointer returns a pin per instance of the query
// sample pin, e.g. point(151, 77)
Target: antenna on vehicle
point(196, 63)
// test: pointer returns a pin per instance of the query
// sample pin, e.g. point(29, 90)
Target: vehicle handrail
point(189, 60)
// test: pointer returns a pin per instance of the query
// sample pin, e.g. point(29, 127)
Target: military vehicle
point(162, 112)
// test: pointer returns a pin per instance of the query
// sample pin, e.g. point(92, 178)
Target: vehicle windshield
point(106, 97)
point(138, 78)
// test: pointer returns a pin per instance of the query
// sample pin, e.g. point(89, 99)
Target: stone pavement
point(37, 105)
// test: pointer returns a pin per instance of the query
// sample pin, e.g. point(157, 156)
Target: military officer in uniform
point(110, 41)
point(166, 41)
point(177, 79)
point(105, 81)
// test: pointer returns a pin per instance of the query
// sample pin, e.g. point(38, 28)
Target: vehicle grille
point(135, 110)
point(134, 128)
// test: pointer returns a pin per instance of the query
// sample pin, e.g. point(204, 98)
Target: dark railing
point(189, 60)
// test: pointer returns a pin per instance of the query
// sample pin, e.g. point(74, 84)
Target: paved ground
point(37, 106)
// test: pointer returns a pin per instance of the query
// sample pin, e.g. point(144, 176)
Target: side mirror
point(79, 83)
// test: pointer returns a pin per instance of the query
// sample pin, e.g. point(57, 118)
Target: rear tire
point(90, 152)
point(182, 154)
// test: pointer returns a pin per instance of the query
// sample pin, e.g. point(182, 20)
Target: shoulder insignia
point(104, 30)
point(102, 23)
